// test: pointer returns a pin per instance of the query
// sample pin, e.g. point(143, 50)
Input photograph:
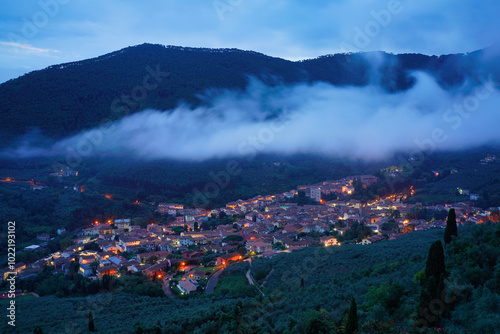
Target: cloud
point(360, 122)
point(28, 47)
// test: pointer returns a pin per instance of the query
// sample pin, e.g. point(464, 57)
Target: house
point(132, 265)
point(343, 230)
point(101, 256)
point(395, 236)
point(110, 270)
point(438, 223)
point(73, 249)
point(258, 246)
point(313, 192)
point(155, 270)
point(292, 228)
point(18, 267)
point(31, 248)
point(197, 275)
point(62, 264)
point(105, 229)
point(372, 239)
point(160, 256)
point(244, 223)
point(186, 241)
point(94, 230)
point(299, 243)
point(421, 227)
point(127, 242)
point(43, 237)
point(193, 254)
point(61, 231)
point(328, 241)
point(215, 249)
point(82, 240)
point(37, 187)
point(87, 259)
point(117, 260)
point(169, 208)
point(86, 270)
point(269, 254)
point(122, 223)
point(225, 259)
point(110, 247)
point(252, 216)
point(138, 268)
point(186, 287)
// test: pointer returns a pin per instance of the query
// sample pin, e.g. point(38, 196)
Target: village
point(187, 254)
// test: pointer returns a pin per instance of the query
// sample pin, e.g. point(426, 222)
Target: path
point(166, 289)
point(212, 281)
point(265, 279)
point(251, 281)
point(249, 277)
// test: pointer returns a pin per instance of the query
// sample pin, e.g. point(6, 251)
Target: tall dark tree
point(352, 318)
point(196, 226)
point(429, 315)
point(451, 226)
point(91, 322)
point(434, 265)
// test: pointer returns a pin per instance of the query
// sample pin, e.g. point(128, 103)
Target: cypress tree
point(91, 322)
point(352, 318)
point(435, 261)
point(451, 226)
point(433, 284)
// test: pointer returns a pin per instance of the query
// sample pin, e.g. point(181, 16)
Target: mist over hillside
point(152, 101)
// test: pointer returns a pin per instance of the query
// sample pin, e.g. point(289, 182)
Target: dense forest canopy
point(64, 99)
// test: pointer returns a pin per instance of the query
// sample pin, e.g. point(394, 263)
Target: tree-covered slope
point(64, 99)
point(305, 291)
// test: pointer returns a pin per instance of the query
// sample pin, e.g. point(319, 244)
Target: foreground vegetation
point(305, 292)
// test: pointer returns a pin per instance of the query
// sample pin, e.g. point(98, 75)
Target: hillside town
point(195, 243)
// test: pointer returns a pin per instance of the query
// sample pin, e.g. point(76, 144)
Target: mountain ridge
point(64, 99)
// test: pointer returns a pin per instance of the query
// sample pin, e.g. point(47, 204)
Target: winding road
point(166, 289)
point(212, 281)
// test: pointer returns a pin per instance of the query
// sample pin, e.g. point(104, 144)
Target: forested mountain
point(64, 99)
